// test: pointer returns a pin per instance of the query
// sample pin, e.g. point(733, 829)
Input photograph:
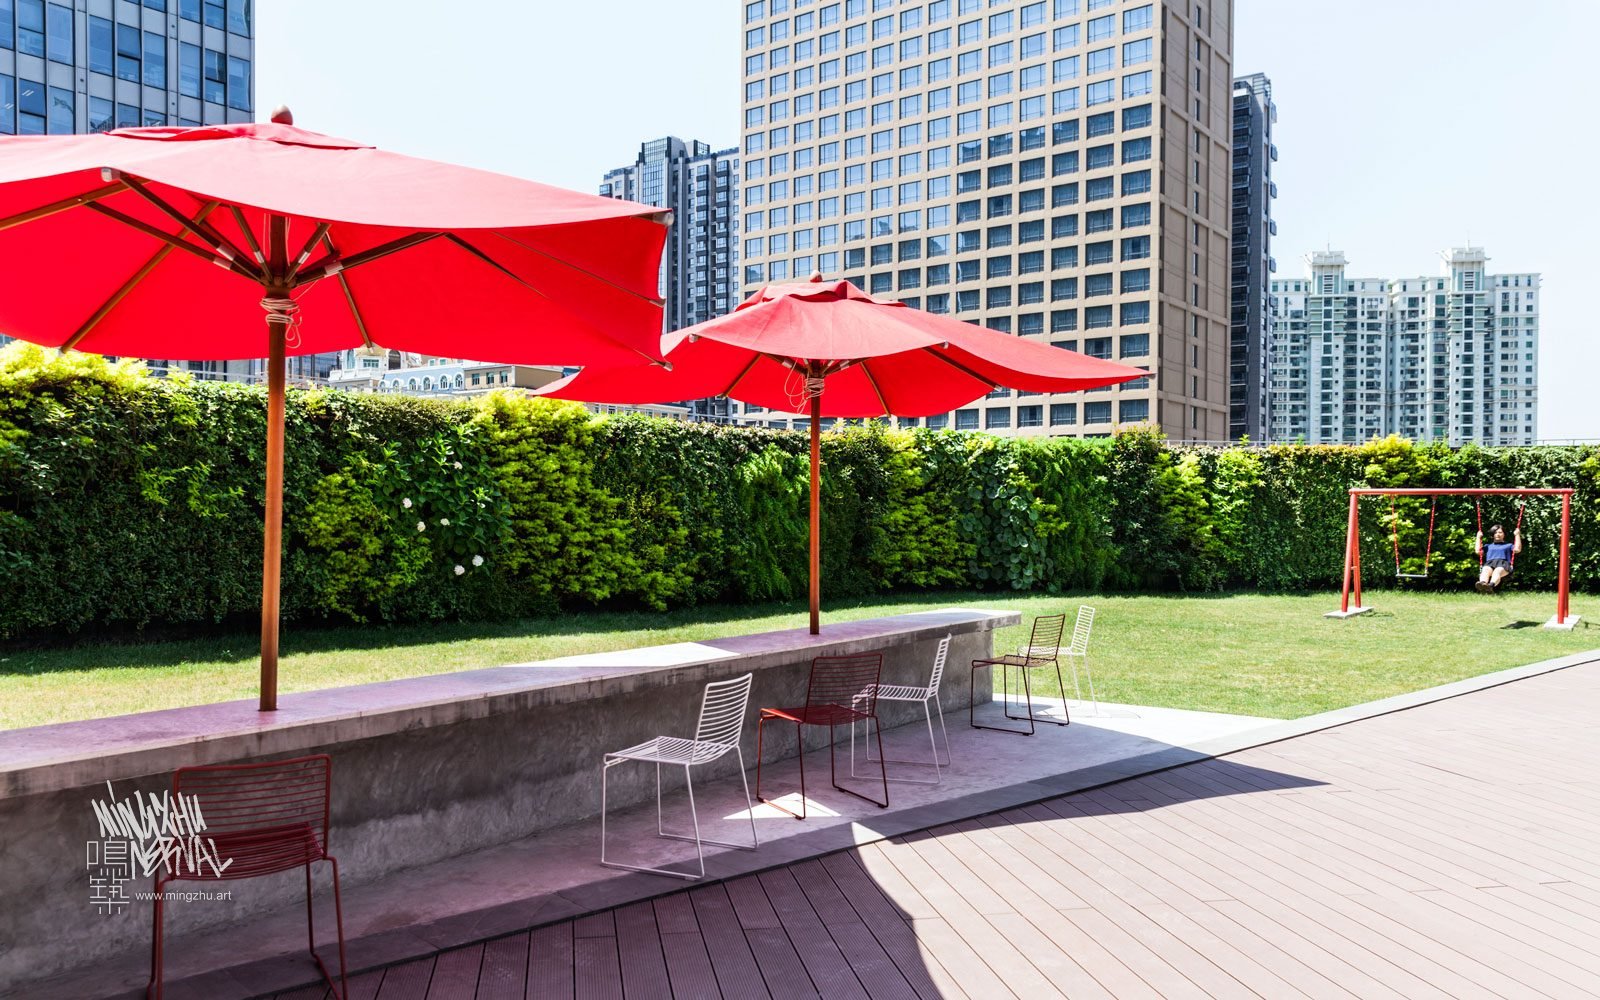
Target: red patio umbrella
point(831, 349)
point(166, 243)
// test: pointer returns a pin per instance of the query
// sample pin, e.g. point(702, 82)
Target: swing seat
point(1411, 576)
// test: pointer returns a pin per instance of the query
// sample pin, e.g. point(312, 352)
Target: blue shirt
point(1498, 550)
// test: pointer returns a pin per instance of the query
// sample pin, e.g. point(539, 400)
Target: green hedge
point(128, 501)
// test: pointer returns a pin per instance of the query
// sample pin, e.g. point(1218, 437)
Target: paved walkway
point(1443, 851)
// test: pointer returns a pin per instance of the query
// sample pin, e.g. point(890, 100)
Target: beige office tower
point(1055, 169)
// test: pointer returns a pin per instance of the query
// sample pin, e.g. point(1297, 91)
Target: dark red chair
point(260, 819)
point(843, 690)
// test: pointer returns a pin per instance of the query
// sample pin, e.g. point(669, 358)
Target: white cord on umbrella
point(809, 388)
point(285, 311)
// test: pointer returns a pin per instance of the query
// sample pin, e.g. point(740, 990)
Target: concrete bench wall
point(424, 769)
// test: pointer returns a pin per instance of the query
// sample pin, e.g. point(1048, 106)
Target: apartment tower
point(1054, 169)
point(1250, 320)
point(1451, 358)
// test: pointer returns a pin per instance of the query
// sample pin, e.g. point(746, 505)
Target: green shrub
point(129, 501)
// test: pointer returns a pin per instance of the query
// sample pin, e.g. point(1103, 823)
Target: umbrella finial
point(816, 275)
point(281, 115)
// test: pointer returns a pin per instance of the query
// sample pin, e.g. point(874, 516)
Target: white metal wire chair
point(929, 696)
point(722, 715)
point(1079, 651)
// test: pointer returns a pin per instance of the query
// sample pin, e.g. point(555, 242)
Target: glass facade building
point(1055, 169)
point(699, 264)
point(1250, 311)
point(94, 65)
point(1453, 358)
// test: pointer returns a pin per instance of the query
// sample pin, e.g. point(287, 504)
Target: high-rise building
point(1453, 358)
point(102, 64)
point(699, 265)
point(1056, 169)
point(1250, 322)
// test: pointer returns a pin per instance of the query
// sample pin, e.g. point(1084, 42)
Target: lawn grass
point(1248, 654)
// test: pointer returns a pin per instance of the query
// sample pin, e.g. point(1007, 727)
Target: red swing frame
point(1352, 543)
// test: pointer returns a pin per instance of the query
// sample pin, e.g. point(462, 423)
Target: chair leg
point(1094, 699)
point(883, 766)
point(156, 977)
point(883, 762)
point(694, 817)
point(1005, 708)
point(801, 736)
point(605, 771)
point(750, 807)
point(927, 716)
point(949, 761)
point(311, 920)
point(659, 829)
point(338, 923)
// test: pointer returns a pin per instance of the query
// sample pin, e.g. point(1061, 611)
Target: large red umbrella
point(168, 242)
point(830, 348)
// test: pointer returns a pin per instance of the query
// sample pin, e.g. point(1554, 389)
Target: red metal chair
point(1043, 649)
point(260, 819)
point(843, 690)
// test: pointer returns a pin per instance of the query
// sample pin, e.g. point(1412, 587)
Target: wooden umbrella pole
point(816, 521)
point(272, 555)
point(279, 308)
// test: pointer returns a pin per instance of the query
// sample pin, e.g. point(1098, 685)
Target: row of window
point(912, 78)
point(141, 57)
point(911, 22)
point(31, 108)
point(36, 28)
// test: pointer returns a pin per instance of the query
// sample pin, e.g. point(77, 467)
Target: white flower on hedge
point(445, 521)
point(422, 525)
point(406, 503)
point(477, 560)
point(458, 465)
point(460, 569)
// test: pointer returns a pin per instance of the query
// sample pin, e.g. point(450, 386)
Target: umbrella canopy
point(829, 349)
point(168, 243)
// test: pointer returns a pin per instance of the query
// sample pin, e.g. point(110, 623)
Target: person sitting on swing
point(1496, 557)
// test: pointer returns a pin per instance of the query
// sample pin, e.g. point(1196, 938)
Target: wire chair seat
point(264, 851)
point(673, 750)
point(818, 715)
point(898, 692)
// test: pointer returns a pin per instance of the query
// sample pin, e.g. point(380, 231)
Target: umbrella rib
point(335, 263)
point(958, 366)
point(742, 373)
point(483, 256)
point(86, 199)
point(127, 286)
point(235, 266)
point(249, 234)
point(876, 389)
point(652, 299)
point(349, 295)
point(305, 251)
point(199, 229)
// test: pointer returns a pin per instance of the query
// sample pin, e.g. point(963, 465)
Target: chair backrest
point(1081, 629)
point(285, 795)
point(842, 680)
point(1045, 641)
point(723, 710)
point(938, 665)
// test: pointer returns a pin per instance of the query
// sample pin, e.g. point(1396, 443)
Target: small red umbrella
point(167, 243)
point(831, 349)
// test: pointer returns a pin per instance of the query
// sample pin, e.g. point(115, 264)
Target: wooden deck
point(1443, 851)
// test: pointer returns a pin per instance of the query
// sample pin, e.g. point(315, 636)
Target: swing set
point(1352, 544)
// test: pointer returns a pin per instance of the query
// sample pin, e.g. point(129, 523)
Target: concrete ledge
point(425, 769)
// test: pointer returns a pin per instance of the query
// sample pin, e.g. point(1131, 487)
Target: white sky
point(1404, 126)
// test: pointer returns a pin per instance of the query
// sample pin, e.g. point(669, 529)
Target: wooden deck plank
point(551, 962)
point(505, 969)
point(455, 973)
point(824, 961)
point(408, 981)
point(892, 928)
point(689, 969)
point(639, 951)
point(596, 968)
point(738, 976)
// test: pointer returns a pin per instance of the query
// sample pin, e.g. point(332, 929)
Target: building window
point(1063, 414)
point(1029, 416)
point(967, 420)
point(997, 418)
point(1097, 413)
point(1132, 411)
